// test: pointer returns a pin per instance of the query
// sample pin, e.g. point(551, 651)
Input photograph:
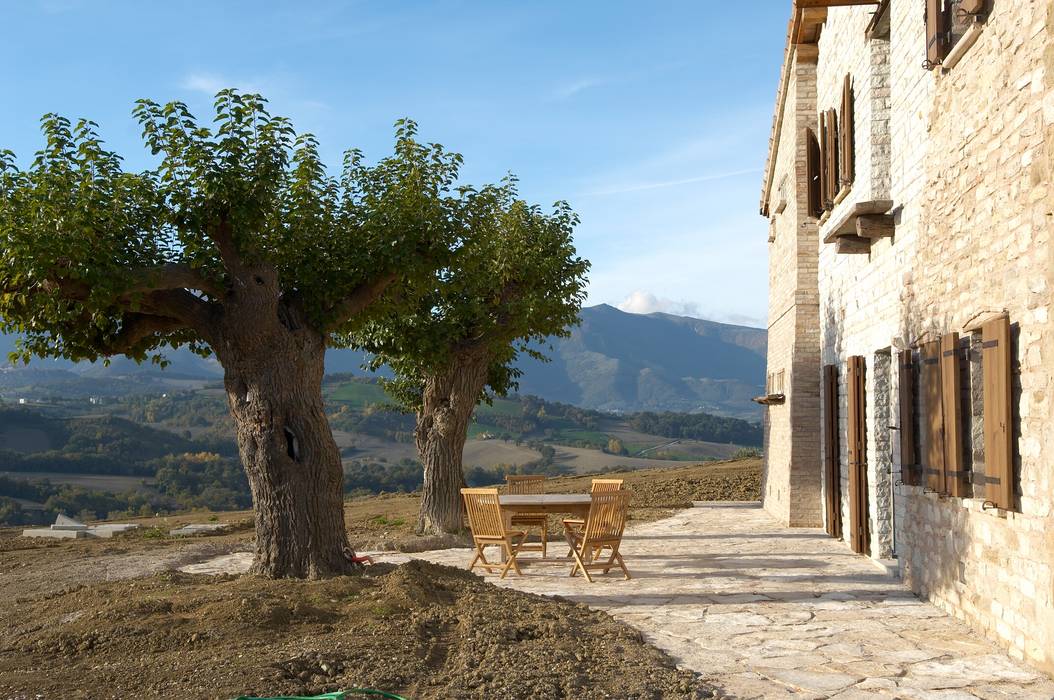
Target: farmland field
point(100, 482)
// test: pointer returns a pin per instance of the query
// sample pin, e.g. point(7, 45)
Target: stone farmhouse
point(911, 348)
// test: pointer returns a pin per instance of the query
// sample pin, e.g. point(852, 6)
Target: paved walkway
point(770, 612)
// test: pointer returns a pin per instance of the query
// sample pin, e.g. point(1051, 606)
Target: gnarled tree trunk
point(273, 368)
point(442, 426)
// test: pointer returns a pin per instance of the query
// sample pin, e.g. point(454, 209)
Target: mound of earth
point(421, 630)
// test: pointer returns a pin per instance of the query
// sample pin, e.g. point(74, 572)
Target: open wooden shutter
point(824, 174)
point(951, 406)
point(908, 468)
point(998, 433)
point(831, 165)
point(936, 33)
point(847, 135)
point(933, 410)
point(859, 535)
point(832, 473)
point(813, 174)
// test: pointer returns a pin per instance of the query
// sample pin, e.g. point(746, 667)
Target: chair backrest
point(607, 516)
point(524, 483)
point(601, 485)
point(484, 512)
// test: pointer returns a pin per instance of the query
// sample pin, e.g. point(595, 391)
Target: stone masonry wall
point(984, 244)
point(790, 488)
point(860, 295)
point(966, 156)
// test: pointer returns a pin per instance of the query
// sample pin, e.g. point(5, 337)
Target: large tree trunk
point(442, 426)
point(273, 376)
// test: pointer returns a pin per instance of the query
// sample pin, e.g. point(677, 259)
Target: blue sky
point(650, 118)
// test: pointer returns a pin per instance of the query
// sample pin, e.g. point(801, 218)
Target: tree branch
point(359, 299)
point(179, 304)
point(172, 276)
point(137, 326)
point(223, 236)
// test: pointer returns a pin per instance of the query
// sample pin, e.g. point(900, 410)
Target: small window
point(812, 174)
point(829, 162)
point(947, 21)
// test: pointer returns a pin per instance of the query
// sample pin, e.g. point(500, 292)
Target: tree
point(238, 243)
point(514, 279)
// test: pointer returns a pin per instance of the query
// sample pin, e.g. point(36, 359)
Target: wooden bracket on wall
point(853, 245)
point(874, 225)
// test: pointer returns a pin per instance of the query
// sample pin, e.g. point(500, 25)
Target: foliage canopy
point(96, 260)
point(513, 281)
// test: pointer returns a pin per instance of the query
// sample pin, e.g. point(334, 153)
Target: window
point(828, 158)
point(812, 175)
point(837, 162)
point(774, 383)
point(956, 415)
point(947, 21)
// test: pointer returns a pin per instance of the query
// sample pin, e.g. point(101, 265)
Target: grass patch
point(385, 521)
point(358, 394)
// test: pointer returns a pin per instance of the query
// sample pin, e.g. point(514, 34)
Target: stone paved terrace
point(770, 612)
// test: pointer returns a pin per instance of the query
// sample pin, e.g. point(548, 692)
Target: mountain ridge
point(613, 361)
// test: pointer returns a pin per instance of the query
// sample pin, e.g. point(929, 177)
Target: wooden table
point(547, 504)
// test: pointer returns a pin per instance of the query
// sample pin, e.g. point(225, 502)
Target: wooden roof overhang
point(806, 23)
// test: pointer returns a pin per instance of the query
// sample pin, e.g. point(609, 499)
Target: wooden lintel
point(807, 53)
point(853, 245)
point(874, 225)
point(804, 4)
point(809, 25)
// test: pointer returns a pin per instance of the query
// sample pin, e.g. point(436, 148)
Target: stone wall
point(965, 153)
point(790, 488)
point(984, 225)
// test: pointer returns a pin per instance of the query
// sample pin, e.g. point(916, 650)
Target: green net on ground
point(337, 695)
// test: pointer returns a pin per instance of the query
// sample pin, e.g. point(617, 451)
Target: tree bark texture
point(442, 426)
point(273, 366)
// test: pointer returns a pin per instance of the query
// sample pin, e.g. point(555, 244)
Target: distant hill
point(617, 361)
point(614, 361)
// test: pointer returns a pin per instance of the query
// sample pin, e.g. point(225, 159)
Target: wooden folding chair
point(487, 523)
point(596, 486)
point(603, 530)
point(529, 484)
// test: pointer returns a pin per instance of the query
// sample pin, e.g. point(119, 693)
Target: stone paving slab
point(770, 612)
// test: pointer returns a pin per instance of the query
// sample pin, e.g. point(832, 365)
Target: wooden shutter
point(933, 413)
point(951, 406)
point(813, 173)
point(859, 535)
point(832, 473)
point(936, 33)
point(831, 165)
point(824, 174)
point(998, 448)
point(908, 468)
point(847, 135)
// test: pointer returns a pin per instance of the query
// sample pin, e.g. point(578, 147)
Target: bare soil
point(112, 619)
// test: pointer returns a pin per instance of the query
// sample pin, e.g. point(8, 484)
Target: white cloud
point(204, 82)
point(642, 302)
point(211, 83)
point(571, 89)
point(642, 186)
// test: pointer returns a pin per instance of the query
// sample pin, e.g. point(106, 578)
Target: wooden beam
point(804, 4)
point(853, 245)
point(874, 225)
point(809, 25)
point(806, 53)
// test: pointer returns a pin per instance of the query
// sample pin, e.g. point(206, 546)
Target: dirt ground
point(112, 619)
